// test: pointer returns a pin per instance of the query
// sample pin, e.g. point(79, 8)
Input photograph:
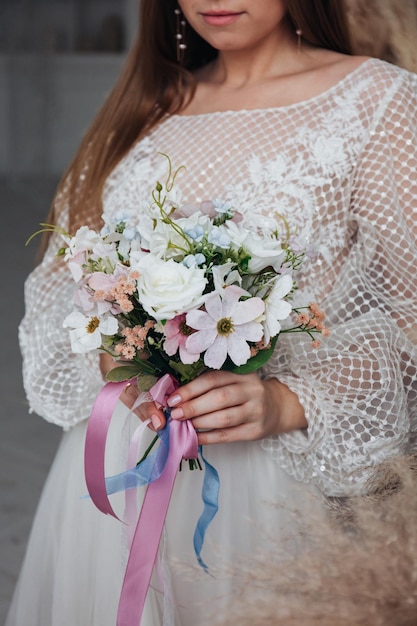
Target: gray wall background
point(58, 61)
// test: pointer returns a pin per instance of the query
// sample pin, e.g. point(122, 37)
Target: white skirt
point(76, 556)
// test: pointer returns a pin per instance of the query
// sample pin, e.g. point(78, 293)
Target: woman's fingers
point(243, 432)
point(209, 393)
point(146, 410)
point(209, 402)
point(129, 395)
point(230, 419)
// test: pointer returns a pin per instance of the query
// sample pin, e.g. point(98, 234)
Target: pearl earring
point(299, 34)
point(180, 35)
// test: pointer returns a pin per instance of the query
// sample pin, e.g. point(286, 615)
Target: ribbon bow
point(178, 440)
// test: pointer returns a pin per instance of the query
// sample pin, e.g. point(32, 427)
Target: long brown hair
point(153, 84)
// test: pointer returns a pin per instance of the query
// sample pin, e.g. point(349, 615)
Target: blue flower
point(130, 233)
point(196, 233)
point(219, 237)
point(194, 260)
point(223, 206)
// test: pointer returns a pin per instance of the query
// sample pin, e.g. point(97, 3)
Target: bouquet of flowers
point(180, 290)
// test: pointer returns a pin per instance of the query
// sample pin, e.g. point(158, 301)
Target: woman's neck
point(271, 57)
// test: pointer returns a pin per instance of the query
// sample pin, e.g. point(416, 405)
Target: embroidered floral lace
point(341, 167)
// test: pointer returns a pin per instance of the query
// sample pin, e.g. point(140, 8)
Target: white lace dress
point(341, 167)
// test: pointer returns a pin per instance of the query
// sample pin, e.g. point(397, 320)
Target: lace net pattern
point(341, 168)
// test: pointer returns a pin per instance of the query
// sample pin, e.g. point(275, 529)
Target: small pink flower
point(125, 304)
point(317, 312)
point(225, 327)
point(303, 319)
point(176, 335)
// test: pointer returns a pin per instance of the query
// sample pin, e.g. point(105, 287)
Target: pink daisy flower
point(176, 334)
point(225, 327)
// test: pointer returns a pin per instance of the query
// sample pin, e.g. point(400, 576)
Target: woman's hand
point(231, 407)
point(147, 410)
point(227, 407)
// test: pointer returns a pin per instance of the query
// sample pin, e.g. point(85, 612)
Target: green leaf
point(257, 361)
point(146, 381)
point(188, 371)
point(125, 372)
point(47, 228)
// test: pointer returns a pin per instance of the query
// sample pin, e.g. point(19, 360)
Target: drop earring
point(180, 35)
point(299, 34)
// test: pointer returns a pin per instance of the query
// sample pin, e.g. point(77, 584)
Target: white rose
point(167, 289)
point(264, 252)
point(165, 242)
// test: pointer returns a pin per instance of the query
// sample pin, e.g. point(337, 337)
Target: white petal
point(252, 331)
point(108, 326)
point(199, 320)
point(230, 298)
point(199, 342)
point(82, 342)
point(248, 310)
point(217, 353)
point(238, 349)
point(280, 309)
point(188, 357)
point(76, 271)
point(282, 286)
point(271, 328)
point(75, 320)
point(214, 306)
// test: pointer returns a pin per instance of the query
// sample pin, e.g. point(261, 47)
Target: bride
point(266, 108)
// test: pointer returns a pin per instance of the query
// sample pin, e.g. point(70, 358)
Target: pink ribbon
point(95, 445)
point(144, 549)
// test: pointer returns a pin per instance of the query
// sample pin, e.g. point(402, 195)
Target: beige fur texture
point(385, 29)
point(360, 568)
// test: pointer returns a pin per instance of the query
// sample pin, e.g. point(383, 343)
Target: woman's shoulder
point(392, 93)
point(386, 79)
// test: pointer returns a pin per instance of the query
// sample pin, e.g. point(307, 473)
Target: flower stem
point(148, 449)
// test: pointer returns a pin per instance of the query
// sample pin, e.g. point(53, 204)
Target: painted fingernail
point(177, 414)
point(174, 400)
point(156, 422)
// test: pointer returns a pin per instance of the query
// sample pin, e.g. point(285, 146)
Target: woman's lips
point(220, 18)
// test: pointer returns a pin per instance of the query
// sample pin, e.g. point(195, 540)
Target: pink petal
point(82, 298)
point(99, 281)
point(217, 353)
point(172, 327)
point(186, 356)
point(248, 310)
point(171, 345)
point(201, 340)
point(238, 349)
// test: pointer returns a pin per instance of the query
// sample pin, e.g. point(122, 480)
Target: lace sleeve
point(359, 389)
point(60, 386)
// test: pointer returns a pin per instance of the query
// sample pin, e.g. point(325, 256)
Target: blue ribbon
point(146, 472)
point(151, 468)
point(210, 495)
